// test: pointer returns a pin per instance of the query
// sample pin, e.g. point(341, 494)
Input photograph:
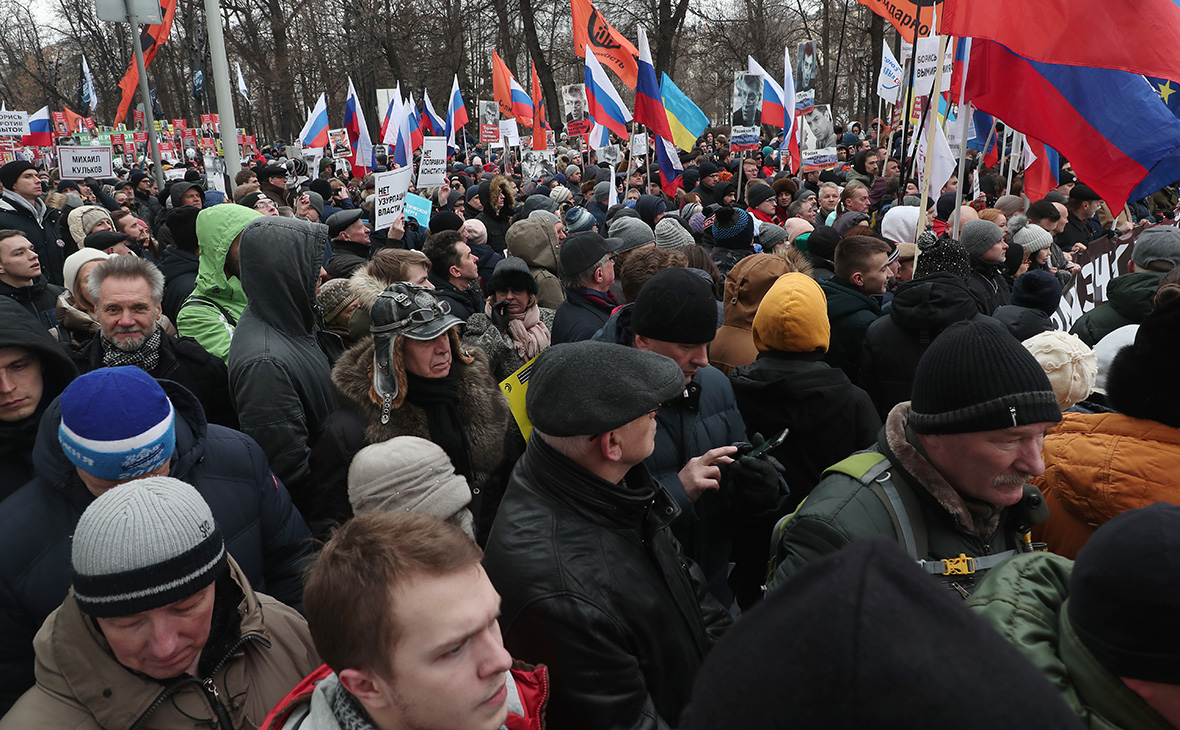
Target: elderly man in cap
point(588, 263)
point(594, 586)
point(349, 235)
point(109, 427)
point(1130, 297)
point(947, 476)
point(161, 627)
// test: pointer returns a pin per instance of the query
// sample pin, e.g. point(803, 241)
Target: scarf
point(529, 334)
point(439, 398)
point(601, 299)
point(145, 357)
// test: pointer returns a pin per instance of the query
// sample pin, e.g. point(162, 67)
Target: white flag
point(889, 80)
point(89, 97)
point(242, 84)
point(1029, 156)
point(926, 62)
point(942, 165)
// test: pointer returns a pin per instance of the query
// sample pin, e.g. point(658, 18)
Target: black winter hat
point(182, 223)
point(885, 647)
point(976, 377)
point(1135, 384)
point(945, 206)
point(676, 305)
point(758, 194)
point(102, 240)
point(445, 220)
point(1124, 598)
point(512, 273)
point(11, 171)
point(942, 253)
point(1037, 289)
point(822, 243)
point(733, 228)
point(708, 168)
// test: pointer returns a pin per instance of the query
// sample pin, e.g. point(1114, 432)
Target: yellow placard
point(515, 386)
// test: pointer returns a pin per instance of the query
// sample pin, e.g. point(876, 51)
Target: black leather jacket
point(595, 586)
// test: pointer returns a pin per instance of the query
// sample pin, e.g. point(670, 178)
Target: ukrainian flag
point(688, 122)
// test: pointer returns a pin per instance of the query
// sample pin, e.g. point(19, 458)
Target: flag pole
point(905, 95)
point(1017, 144)
point(930, 136)
point(964, 114)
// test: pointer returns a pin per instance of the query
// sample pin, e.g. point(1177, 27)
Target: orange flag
point(152, 37)
point(75, 122)
point(609, 46)
point(539, 125)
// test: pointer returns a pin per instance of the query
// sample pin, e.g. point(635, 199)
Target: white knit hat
point(75, 262)
point(143, 545)
point(1070, 364)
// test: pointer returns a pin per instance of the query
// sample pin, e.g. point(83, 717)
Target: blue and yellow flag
point(688, 122)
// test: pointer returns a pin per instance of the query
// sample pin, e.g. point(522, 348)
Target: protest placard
point(432, 167)
point(391, 188)
point(338, 139)
point(817, 138)
point(78, 163)
point(489, 122)
point(515, 386)
point(806, 73)
point(509, 129)
point(577, 118)
point(537, 164)
point(418, 208)
point(1103, 260)
point(638, 144)
point(611, 155)
point(13, 124)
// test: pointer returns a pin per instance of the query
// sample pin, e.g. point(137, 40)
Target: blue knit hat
point(733, 228)
point(117, 423)
point(578, 219)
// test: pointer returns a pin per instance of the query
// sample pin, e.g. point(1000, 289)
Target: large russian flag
point(1040, 174)
point(415, 123)
point(315, 130)
point(358, 130)
point(40, 129)
point(606, 106)
point(1123, 142)
point(649, 106)
point(671, 171)
point(772, 95)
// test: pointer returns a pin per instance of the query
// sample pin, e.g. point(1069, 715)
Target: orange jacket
point(1098, 466)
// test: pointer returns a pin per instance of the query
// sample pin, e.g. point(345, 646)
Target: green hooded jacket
point(1026, 599)
point(212, 311)
point(1129, 299)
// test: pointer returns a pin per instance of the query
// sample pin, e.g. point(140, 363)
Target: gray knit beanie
point(770, 235)
point(409, 474)
point(143, 545)
point(633, 231)
point(1029, 236)
point(672, 235)
point(978, 236)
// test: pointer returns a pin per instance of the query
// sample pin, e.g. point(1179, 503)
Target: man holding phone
point(701, 454)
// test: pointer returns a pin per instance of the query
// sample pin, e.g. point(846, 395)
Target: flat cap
point(613, 385)
point(341, 220)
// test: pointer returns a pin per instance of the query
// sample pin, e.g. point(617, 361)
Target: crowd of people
point(261, 465)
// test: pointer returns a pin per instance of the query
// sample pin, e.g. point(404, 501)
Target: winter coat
point(278, 375)
point(1023, 322)
point(1027, 600)
point(42, 230)
point(151, 210)
point(80, 683)
point(346, 258)
point(182, 361)
point(1075, 231)
point(535, 241)
point(482, 409)
point(498, 346)
point(464, 302)
point(310, 706)
point(579, 317)
point(706, 195)
point(212, 312)
point(279, 195)
point(989, 287)
point(850, 313)
point(921, 310)
point(595, 587)
point(497, 222)
point(262, 530)
point(180, 278)
point(1129, 299)
point(1098, 466)
point(78, 326)
point(840, 510)
point(19, 329)
point(38, 299)
point(828, 417)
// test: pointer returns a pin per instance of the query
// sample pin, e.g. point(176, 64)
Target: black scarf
point(145, 357)
point(439, 397)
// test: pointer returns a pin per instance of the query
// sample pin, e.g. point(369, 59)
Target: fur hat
point(512, 273)
point(1070, 365)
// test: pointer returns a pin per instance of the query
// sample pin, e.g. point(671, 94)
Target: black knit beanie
point(733, 228)
point(1134, 384)
point(977, 377)
point(676, 305)
point(1037, 289)
point(1123, 595)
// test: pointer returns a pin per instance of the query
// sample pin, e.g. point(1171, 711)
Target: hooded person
point(184, 192)
point(414, 377)
point(498, 208)
point(152, 554)
point(278, 373)
point(86, 219)
point(211, 313)
point(34, 369)
point(896, 650)
point(651, 209)
point(745, 287)
point(1035, 297)
point(75, 310)
point(535, 241)
point(513, 328)
point(900, 224)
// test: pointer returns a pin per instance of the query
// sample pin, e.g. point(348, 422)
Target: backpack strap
point(871, 469)
point(207, 302)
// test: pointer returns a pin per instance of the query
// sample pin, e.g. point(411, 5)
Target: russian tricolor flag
point(1041, 165)
point(772, 95)
point(514, 101)
point(430, 120)
point(649, 105)
point(40, 129)
point(598, 137)
point(315, 131)
point(671, 171)
point(358, 130)
point(403, 133)
point(606, 107)
point(456, 113)
point(415, 123)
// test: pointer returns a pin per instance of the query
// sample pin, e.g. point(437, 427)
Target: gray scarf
point(144, 357)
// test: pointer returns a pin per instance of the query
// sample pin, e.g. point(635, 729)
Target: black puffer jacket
point(595, 587)
point(464, 302)
point(20, 329)
point(1023, 322)
point(44, 234)
point(180, 276)
point(262, 530)
point(921, 309)
point(38, 299)
point(989, 287)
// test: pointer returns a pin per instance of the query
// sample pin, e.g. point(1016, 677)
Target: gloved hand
point(753, 480)
point(500, 316)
